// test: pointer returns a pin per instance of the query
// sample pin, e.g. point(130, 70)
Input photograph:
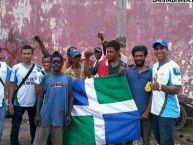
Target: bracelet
point(160, 87)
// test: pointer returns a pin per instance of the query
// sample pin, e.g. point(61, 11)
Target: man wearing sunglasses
point(54, 104)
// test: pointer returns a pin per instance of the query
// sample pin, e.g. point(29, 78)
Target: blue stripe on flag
point(122, 127)
point(80, 97)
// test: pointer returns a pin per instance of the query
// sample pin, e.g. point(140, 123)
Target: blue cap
point(69, 50)
point(75, 52)
point(162, 42)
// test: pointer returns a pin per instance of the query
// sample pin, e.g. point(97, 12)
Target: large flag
point(104, 112)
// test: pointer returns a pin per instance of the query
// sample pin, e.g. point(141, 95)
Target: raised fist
point(100, 35)
point(37, 38)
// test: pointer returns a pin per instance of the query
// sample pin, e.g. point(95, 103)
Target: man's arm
point(167, 89)
point(11, 90)
point(40, 97)
point(42, 47)
point(70, 104)
point(100, 35)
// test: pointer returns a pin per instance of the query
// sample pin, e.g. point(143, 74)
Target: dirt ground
point(182, 137)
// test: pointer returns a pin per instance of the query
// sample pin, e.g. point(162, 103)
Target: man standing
point(165, 87)
point(98, 55)
point(46, 65)
point(76, 70)
point(111, 64)
point(23, 97)
point(54, 107)
point(5, 73)
point(138, 76)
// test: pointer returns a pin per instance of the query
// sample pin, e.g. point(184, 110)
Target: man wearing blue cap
point(165, 87)
point(76, 71)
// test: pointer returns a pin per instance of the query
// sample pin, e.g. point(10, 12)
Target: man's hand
point(88, 54)
point(10, 108)
point(37, 120)
point(122, 69)
point(100, 35)
point(37, 38)
point(154, 86)
point(144, 115)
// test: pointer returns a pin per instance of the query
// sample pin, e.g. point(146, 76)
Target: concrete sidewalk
point(181, 137)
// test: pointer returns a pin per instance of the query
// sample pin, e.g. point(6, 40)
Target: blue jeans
point(164, 129)
point(2, 120)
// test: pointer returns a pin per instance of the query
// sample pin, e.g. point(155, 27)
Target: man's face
point(160, 52)
point(46, 64)
point(112, 54)
point(97, 54)
point(139, 58)
point(56, 64)
point(26, 55)
point(76, 59)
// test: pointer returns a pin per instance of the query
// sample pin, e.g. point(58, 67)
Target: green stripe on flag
point(80, 131)
point(116, 91)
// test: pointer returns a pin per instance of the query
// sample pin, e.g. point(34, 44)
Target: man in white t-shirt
point(5, 73)
point(25, 98)
point(165, 87)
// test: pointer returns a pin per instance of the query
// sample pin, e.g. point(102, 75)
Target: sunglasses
point(56, 62)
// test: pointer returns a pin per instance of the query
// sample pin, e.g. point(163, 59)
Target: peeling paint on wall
point(3, 33)
point(47, 6)
point(21, 10)
point(52, 23)
point(64, 23)
point(3, 8)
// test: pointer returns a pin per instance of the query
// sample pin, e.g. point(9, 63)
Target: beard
point(140, 63)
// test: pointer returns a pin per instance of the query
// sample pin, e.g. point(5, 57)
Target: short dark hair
point(114, 44)
point(27, 47)
point(45, 56)
point(142, 48)
point(56, 54)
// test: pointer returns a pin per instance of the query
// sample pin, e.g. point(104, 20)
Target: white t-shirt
point(40, 75)
point(5, 73)
point(26, 94)
point(163, 104)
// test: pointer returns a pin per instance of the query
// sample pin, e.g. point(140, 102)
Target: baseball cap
point(97, 49)
point(69, 50)
point(161, 42)
point(75, 52)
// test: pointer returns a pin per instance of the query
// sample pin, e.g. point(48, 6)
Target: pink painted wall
point(64, 23)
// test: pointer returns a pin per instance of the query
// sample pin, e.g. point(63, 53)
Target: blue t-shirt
point(137, 82)
point(57, 89)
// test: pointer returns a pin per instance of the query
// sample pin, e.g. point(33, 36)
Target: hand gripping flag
point(104, 112)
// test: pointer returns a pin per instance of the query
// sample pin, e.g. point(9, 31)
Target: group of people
point(46, 92)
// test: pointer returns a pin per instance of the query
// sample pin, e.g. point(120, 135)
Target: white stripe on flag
point(104, 108)
point(98, 119)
